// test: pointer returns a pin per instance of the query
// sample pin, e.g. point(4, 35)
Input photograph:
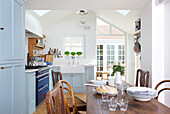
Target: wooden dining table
point(95, 105)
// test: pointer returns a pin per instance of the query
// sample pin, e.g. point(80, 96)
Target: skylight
point(42, 12)
point(123, 12)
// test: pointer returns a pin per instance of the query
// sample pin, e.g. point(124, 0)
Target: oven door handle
point(41, 72)
point(43, 87)
point(42, 75)
point(43, 78)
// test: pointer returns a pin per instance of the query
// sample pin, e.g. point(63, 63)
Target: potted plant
point(73, 53)
point(118, 70)
point(67, 53)
point(79, 53)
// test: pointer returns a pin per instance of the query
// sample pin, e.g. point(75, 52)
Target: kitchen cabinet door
point(30, 92)
point(6, 87)
point(69, 79)
point(18, 29)
point(12, 29)
point(89, 72)
point(6, 29)
point(78, 83)
point(19, 89)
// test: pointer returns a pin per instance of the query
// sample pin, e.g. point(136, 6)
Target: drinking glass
point(105, 97)
point(123, 104)
point(113, 103)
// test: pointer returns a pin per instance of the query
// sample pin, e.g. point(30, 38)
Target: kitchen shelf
point(39, 46)
point(37, 55)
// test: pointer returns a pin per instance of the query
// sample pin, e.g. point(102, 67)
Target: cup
point(113, 103)
point(105, 97)
point(123, 104)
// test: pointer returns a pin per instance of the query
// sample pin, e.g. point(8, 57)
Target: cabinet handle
point(2, 67)
point(1, 28)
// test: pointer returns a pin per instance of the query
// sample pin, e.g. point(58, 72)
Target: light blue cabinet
point(30, 92)
point(12, 63)
point(76, 81)
point(89, 72)
point(56, 69)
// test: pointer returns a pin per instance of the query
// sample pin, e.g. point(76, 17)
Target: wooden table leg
point(96, 75)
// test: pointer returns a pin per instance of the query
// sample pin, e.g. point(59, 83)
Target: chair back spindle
point(56, 76)
point(163, 89)
point(144, 78)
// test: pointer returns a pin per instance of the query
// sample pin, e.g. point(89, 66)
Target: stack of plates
point(142, 93)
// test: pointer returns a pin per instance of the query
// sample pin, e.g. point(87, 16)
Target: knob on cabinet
point(1, 28)
point(2, 67)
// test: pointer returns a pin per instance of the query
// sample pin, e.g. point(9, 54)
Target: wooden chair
point(51, 100)
point(144, 78)
point(101, 74)
point(81, 105)
point(163, 89)
point(55, 101)
point(55, 77)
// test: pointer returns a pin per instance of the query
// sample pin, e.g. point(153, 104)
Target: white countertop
point(31, 70)
point(66, 68)
point(34, 70)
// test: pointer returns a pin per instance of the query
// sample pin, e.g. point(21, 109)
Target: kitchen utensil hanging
point(137, 46)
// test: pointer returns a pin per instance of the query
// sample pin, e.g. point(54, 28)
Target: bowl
point(142, 93)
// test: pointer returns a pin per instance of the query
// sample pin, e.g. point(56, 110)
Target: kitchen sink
point(72, 69)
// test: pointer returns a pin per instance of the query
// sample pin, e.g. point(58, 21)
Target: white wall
point(130, 60)
point(56, 32)
point(146, 40)
point(32, 24)
point(157, 45)
point(166, 49)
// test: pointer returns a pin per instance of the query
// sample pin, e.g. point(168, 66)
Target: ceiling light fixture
point(82, 13)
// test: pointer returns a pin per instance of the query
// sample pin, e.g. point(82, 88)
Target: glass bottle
point(122, 99)
point(121, 94)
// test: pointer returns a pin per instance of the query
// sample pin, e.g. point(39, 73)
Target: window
point(121, 54)
point(110, 45)
point(75, 44)
point(42, 12)
point(99, 57)
point(110, 54)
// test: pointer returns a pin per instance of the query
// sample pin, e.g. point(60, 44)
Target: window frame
point(83, 46)
point(115, 43)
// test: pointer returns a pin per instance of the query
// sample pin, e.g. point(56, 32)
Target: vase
point(118, 79)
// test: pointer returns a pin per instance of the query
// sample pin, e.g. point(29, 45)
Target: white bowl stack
point(142, 93)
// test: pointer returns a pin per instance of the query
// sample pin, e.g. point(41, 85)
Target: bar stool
point(101, 73)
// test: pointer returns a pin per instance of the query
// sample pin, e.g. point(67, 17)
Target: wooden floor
point(42, 108)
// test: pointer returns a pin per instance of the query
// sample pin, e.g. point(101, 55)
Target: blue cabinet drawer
point(42, 81)
point(41, 94)
point(38, 73)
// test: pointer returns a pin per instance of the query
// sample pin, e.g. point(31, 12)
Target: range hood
point(31, 34)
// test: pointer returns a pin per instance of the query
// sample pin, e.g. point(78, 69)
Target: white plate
point(142, 93)
point(111, 94)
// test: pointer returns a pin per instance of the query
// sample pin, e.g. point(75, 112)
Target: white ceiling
point(125, 23)
point(86, 4)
